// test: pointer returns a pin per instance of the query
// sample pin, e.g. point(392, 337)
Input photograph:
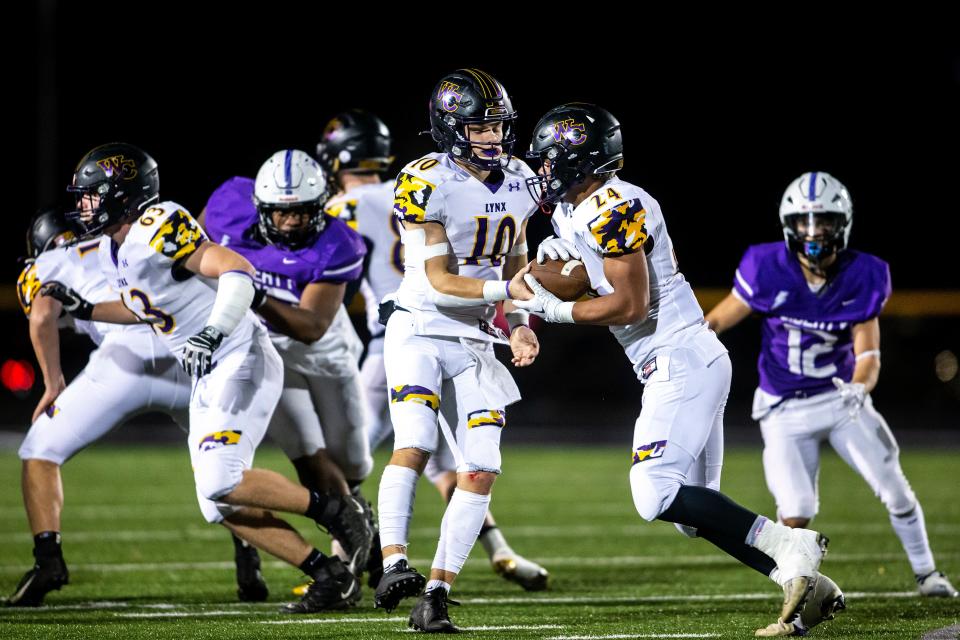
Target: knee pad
point(36, 446)
point(652, 494)
point(897, 495)
point(216, 476)
point(413, 411)
point(481, 451)
point(215, 512)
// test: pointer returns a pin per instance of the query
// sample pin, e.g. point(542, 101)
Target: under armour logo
point(573, 132)
point(513, 186)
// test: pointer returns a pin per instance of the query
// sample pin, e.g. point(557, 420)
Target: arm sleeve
point(746, 283)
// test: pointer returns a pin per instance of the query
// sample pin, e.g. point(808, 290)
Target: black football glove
point(197, 358)
point(72, 302)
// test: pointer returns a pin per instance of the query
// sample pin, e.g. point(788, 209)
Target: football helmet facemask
point(292, 182)
point(816, 213)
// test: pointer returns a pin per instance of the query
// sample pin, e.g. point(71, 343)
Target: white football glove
point(854, 394)
point(557, 249)
point(545, 304)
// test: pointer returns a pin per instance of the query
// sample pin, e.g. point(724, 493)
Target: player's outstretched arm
point(728, 313)
point(309, 321)
point(112, 312)
point(452, 290)
point(45, 337)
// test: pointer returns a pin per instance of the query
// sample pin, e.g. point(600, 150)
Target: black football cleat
point(399, 581)
point(251, 587)
point(334, 587)
point(47, 575)
point(430, 613)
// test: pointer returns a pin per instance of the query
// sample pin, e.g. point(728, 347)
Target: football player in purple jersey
point(304, 259)
point(819, 361)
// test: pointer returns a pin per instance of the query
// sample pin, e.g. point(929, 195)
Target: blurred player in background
point(130, 372)
point(197, 296)
point(619, 232)
point(819, 361)
point(304, 260)
point(355, 151)
point(464, 214)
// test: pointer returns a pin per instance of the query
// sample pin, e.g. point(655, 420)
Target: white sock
point(459, 529)
point(398, 487)
point(393, 559)
point(494, 543)
point(765, 535)
point(437, 584)
point(911, 528)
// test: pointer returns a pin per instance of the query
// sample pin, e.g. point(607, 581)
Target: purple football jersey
point(806, 335)
point(336, 255)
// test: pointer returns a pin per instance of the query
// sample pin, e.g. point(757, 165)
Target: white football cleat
point(936, 585)
point(515, 568)
point(825, 601)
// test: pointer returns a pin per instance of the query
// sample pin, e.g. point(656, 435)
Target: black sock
point(312, 565)
point(240, 545)
point(485, 528)
point(318, 507)
point(736, 547)
point(720, 521)
point(704, 508)
point(46, 544)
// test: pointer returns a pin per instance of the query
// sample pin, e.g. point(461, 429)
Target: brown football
point(567, 280)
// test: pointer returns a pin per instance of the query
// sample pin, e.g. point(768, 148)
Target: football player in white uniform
point(618, 231)
point(463, 213)
point(129, 372)
point(197, 295)
point(819, 362)
point(304, 260)
point(355, 151)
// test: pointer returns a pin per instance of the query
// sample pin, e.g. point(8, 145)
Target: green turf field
point(144, 564)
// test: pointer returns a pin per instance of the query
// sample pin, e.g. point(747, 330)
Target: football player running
point(355, 151)
point(819, 361)
point(197, 295)
point(618, 231)
point(463, 213)
point(304, 260)
point(129, 372)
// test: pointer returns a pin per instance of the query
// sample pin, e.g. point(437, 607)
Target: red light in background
point(17, 376)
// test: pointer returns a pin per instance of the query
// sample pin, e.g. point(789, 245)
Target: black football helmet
point(48, 229)
point(579, 140)
point(355, 141)
point(471, 96)
point(122, 178)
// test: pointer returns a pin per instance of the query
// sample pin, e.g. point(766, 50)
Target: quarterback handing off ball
point(566, 279)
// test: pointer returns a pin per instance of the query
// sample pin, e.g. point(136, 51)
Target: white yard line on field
point(560, 561)
point(531, 531)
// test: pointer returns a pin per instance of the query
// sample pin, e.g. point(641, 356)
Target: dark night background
point(715, 126)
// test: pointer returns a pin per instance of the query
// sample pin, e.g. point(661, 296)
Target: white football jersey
point(148, 272)
point(77, 267)
point(481, 222)
point(368, 208)
point(620, 218)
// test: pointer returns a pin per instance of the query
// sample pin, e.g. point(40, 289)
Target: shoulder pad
point(169, 230)
point(619, 227)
